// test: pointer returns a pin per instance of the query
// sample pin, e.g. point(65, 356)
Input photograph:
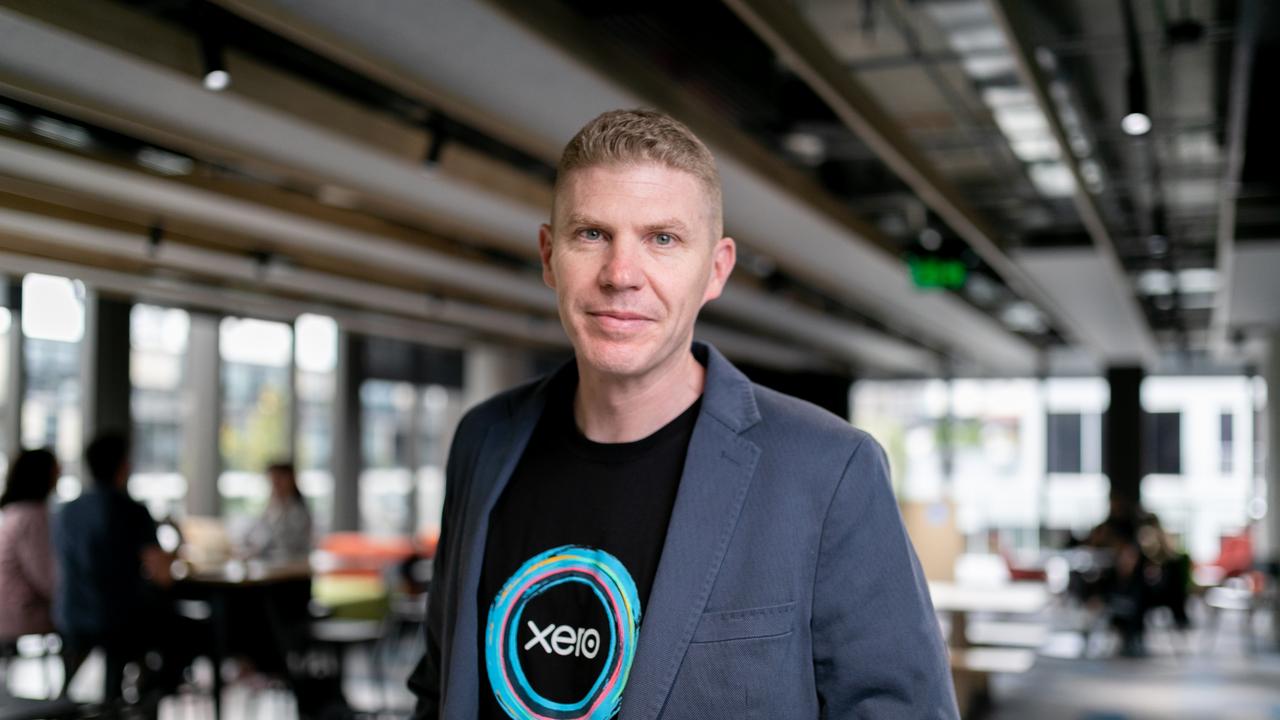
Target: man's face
point(632, 255)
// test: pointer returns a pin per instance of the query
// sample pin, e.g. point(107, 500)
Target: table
point(1022, 598)
point(973, 665)
point(218, 583)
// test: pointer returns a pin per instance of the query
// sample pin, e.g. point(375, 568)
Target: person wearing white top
point(283, 532)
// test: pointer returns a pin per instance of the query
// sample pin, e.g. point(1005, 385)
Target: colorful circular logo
point(612, 586)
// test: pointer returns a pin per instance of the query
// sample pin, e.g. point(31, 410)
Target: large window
point(315, 358)
point(387, 425)
point(256, 392)
point(157, 356)
point(53, 327)
point(440, 411)
point(407, 429)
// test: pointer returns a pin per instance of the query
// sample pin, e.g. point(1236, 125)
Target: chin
point(622, 359)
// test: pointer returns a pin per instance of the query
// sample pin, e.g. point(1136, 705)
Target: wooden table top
point(1020, 598)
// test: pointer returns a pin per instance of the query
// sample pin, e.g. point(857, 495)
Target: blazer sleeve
point(877, 648)
point(425, 680)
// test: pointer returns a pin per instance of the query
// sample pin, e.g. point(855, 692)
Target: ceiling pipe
point(1220, 341)
point(78, 237)
point(298, 233)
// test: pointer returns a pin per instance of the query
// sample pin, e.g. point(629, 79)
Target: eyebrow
point(664, 224)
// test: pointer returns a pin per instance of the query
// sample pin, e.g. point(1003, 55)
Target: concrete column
point(1122, 433)
point(347, 455)
point(104, 369)
point(202, 420)
point(490, 369)
point(12, 440)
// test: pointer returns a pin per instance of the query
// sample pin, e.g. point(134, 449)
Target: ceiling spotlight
point(216, 77)
point(217, 80)
point(1136, 123)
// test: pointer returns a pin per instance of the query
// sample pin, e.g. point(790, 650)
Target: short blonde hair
point(623, 137)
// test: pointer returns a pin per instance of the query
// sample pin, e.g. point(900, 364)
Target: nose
point(621, 269)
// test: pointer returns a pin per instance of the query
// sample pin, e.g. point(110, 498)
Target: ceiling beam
point(299, 236)
point(1033, 78)
point(1237, 125)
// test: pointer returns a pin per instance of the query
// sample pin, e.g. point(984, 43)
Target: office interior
point(1031, 247)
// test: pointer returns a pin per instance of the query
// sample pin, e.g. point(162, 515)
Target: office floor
point(1186, 677)
point(1192, 676)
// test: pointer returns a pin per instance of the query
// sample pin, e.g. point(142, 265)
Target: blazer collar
point(718, 470)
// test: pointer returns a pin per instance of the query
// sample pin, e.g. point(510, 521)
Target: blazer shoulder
point(786, 416)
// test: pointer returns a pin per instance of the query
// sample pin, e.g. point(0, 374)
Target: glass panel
point(385, 480)
point(255, 429)
point(158, 340)
point(53, 326)
point(315, 360)
point(440, 410)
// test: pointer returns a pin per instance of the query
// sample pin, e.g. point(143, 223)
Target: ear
point(723, 258)
point(544, 251)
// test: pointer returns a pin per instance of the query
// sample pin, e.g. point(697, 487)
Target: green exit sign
point(935, 272)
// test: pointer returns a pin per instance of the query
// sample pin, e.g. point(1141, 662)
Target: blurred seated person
point(114, 577)
point(26, 556)
point(282, 534)
point(1146, 572)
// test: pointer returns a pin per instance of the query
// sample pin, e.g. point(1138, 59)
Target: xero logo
point(564, 640)
point(615, 644)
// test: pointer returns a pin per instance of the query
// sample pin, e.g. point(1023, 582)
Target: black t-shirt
point(574, 543)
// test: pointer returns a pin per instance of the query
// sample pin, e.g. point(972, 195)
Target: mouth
point(619, 321)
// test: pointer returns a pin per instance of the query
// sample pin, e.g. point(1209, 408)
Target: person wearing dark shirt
point(647, 533)
point(114, 576)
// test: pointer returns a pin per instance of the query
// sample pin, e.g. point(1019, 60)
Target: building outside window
point(1064, 442)
point(255, 429)
point(315, 359)
point(53, 328)
point(1164, 442)
point(157, 357)
point(1200, 489)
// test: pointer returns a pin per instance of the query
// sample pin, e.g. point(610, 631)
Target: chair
point(40, 647)
point(1238, 595)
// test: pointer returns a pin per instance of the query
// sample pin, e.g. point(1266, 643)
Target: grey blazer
point(787, 586)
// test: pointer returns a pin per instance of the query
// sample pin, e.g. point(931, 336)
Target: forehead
point(632, 191)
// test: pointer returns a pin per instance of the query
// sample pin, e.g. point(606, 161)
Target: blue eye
point(591, 234)
point(664, 240)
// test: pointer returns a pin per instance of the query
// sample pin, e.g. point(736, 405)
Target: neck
point(609, 409)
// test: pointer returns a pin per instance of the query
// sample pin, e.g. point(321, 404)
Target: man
point(648, 532)
point(113, 576)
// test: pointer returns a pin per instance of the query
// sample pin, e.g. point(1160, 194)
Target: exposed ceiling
point(394, 163)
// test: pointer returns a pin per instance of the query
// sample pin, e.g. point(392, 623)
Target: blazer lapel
point(717, 474)
point(499, 454)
